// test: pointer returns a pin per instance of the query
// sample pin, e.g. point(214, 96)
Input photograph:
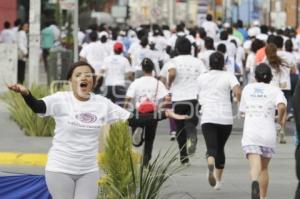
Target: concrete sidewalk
point(191, 180)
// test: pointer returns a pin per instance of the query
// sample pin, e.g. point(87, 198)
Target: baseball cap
point(118, 47)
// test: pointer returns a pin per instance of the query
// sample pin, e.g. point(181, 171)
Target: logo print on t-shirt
point(86, 117)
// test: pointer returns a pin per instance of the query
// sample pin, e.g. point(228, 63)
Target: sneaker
point(282, 139)
point(255, 193)
point(218, 186)
point(173, 136)
point(210, 175)
point(191, 145)
point(137, 137)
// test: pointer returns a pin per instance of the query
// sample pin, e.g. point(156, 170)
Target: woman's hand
point(18, 88)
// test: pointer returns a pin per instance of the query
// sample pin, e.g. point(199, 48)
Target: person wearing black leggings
point(215, 89)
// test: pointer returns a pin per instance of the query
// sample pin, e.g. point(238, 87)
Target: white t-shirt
point(250, 66)
point(204, 57)
point(7, 36)
point(210, 28)
point(138, 56)
point(188, 69)
point(78, 123)
point(259, 102)
point(145, 88)
point(94, 53)
point(116, 67)
point(214, 96)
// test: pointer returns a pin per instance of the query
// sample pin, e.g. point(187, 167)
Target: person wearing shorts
point(258, 105)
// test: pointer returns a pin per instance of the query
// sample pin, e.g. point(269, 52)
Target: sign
point(67, 4)
point(9, 64)
point(119, 11)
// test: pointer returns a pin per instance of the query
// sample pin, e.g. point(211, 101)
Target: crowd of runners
point(185, 75)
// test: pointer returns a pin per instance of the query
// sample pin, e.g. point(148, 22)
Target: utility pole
point(75, 30)
point(297, 13)
point(34, 40)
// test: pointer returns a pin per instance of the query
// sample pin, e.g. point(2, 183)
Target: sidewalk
point(192, 180)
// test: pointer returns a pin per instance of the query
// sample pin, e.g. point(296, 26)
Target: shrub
point(126, 178)
point(30, 122)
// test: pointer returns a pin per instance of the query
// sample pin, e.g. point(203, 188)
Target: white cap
point(103, 33)
point(226, 25)
point(262, 37)
point(256, 23)
point(252, 32)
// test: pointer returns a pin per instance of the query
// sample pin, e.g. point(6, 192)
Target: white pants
point(68, 186)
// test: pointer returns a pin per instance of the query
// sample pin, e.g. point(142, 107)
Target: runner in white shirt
point(250, 61)
point(210, 27)
point(182, 78)
point(144, 52)
point(72, 169)
point(209, 49)
point(94, 52)
point(281, 77)
point(115, 68)
point(7, 34)
point(215, 99)
point(146, 89)
point(258, 104)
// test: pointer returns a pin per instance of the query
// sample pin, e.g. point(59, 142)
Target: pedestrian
point(22, 43)
point(182, 81)
point(259, 102)
point(114, 69)
point(146, 89)
point(47, 42)
point(281, 78)
point(72, 168)
point(214, 89)
point(7, 34)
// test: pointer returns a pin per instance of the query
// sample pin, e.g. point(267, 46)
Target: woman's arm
point(37, 106)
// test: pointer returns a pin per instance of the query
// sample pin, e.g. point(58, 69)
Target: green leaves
point(25, 117)
point(126, 177)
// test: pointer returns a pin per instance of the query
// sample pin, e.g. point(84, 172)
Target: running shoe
point(137, 137)
point(282, 139)
point(191, 145)
point(255, 193)
point(210, 175)
point(218, 186)
point(173, 136)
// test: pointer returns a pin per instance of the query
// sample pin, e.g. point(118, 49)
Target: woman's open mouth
point(83, 84)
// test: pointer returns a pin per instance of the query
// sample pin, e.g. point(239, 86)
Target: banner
point(23, 186)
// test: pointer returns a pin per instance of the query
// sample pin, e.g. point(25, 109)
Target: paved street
point(191, 180)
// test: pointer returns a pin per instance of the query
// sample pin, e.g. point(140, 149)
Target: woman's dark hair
point(263, 73)
point(103, 39)
point(144, 41)
point(93, 36)
point(183, 46)
point(289, 45)
point(78, 64)
point(222, 48)
point(216, 61)
point(224, 35)
point(256, 45)
point(202, 33)
point(209, 17)
point(274, 60)
point(147, 65)
point(209, 43)
point(279, 41)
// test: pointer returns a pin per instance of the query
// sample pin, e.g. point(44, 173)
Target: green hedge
point(30, 122)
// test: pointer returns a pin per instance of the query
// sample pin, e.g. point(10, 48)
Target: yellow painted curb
point(24, 159)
